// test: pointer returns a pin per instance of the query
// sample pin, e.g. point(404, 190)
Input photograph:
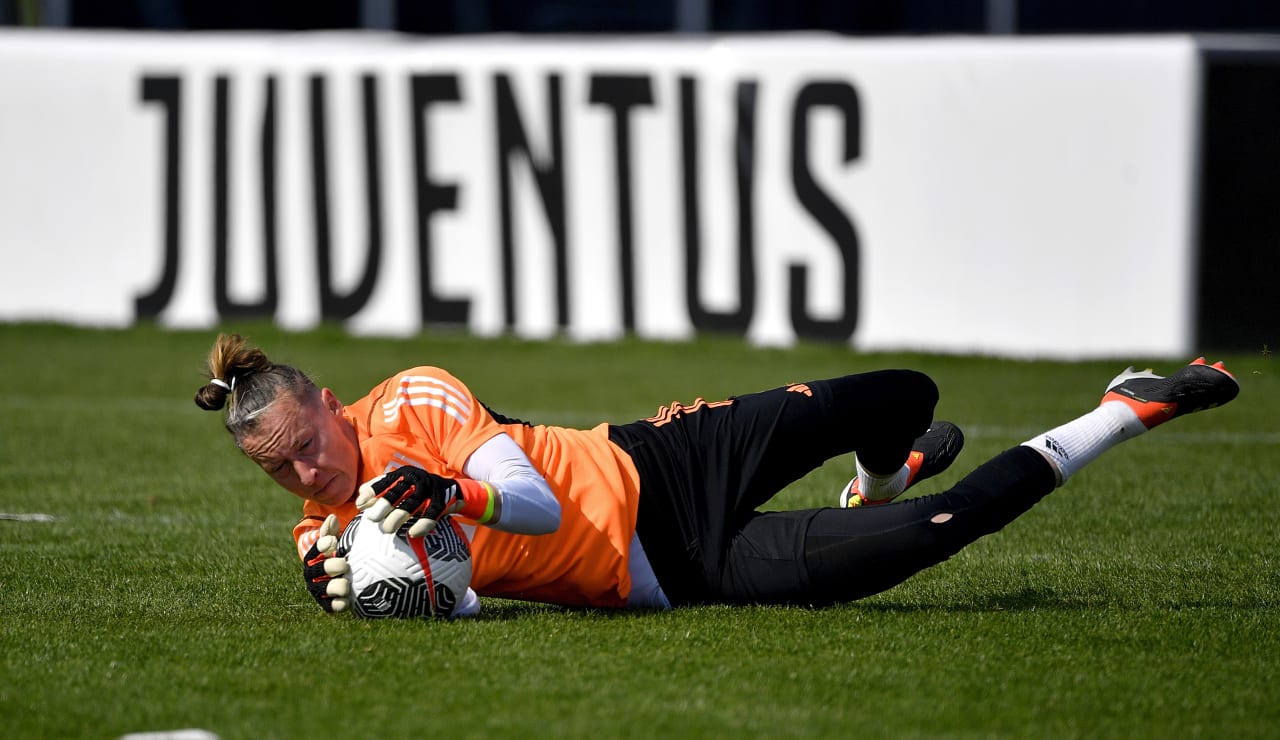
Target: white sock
point(1079, 442)
point(879, 487)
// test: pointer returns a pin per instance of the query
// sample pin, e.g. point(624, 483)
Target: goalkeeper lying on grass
point(660, 512)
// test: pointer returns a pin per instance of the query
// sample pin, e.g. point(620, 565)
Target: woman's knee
point(904, 394)
point(918, 385)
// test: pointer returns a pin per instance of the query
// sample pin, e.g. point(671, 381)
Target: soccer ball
point(395, 575)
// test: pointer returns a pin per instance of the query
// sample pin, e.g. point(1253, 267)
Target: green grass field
point(1141, 600)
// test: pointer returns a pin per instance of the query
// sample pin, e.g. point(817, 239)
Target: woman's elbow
point(550, 520)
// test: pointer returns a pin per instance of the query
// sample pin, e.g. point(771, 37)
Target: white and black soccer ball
point(395, 575)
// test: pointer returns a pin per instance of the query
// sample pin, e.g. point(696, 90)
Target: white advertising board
point(1016, 197)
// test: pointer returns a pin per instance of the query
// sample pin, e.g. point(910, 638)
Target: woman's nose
point(306, 472)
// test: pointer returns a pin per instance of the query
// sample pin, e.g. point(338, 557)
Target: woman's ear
point(331, 401)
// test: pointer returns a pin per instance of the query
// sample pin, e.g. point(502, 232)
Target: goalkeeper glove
point(327, 575)
point(393, 498)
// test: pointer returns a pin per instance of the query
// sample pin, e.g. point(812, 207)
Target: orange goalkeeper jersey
point(427, 418)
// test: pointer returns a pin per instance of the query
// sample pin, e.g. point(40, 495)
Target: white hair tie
point(224, 384)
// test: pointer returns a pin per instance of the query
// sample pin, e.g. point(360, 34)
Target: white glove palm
point(328, 577)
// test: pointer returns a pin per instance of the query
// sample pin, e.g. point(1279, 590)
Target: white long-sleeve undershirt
point(530, 507)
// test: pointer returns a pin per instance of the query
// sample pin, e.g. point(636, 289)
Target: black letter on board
point(334, 305)
point(704, 319)
point(844, 98)
point(221, 216)
point(549, 176)
point(167, 91)
point(621, 93)
point(427, 90)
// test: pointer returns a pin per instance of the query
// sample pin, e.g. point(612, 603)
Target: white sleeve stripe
point(306, 541)
point(424, 384)
point(412, 390)
point(456, 415)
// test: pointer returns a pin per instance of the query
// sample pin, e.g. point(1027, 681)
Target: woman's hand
point(327, 575)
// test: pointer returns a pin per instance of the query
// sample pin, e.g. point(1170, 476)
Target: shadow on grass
point(1045, 599)
point(1020, 600)
point(1027, 599)
point(495, 609)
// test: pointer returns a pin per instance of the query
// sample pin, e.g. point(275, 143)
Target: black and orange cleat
point(932, 453)
point(1155, 399)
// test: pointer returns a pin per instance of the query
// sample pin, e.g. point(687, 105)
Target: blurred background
point(855, 17)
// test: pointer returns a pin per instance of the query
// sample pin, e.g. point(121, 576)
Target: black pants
point(706, 468)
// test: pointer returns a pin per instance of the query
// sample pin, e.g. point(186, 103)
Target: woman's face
point(307, 447)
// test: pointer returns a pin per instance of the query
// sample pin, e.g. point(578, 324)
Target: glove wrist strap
point(479, 500)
